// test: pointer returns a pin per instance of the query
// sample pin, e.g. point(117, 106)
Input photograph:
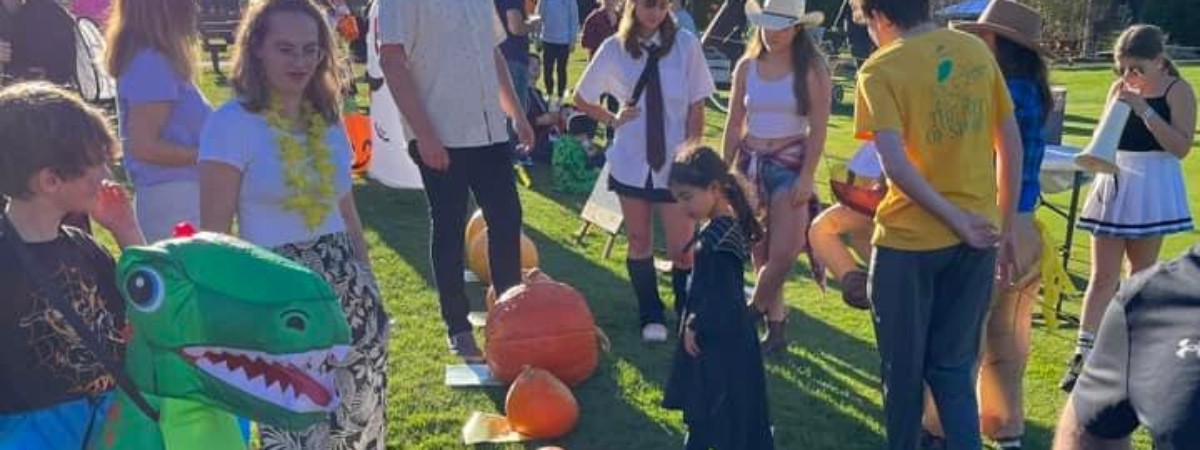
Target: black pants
point(929, 309)
point(555, 58)
point(488, 173)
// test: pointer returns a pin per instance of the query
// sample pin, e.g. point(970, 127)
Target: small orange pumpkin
point(540, 406)
point(529, 276)
point(546, 325)
point(477, 257)
point(475, 226)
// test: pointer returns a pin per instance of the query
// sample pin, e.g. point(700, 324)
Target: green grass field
point(824, 392)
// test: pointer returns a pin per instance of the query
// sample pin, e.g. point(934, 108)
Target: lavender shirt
point(150, 78)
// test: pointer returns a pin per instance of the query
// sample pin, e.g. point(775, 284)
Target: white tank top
point(771, 107)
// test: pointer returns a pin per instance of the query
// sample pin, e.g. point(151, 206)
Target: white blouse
point(685, 80)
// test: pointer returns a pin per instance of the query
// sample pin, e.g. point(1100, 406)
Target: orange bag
point(358, 129)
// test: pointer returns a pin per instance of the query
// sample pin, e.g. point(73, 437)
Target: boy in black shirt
point(1145, 366)
point(54, 162)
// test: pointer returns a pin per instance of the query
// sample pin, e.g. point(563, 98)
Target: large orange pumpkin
point(477, 256)
point(546, 325)
point(540, 406)
point(475, 226)
point(528, 276)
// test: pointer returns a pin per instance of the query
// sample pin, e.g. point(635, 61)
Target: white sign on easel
point(390, 162)
point(603, 210)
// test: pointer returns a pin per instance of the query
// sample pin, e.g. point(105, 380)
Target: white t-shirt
point(243, 140)
point(685, 80)
point(451, 49)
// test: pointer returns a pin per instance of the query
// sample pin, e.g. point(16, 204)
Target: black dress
point(722, 393)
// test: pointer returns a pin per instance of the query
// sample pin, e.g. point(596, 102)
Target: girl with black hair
point(717, 378)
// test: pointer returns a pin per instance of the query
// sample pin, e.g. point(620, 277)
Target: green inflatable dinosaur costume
point(219, 327)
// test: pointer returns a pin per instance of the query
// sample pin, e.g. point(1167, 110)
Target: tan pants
point(1006, 343)
point(835, 232)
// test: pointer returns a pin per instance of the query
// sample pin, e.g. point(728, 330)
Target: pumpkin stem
point(602, 338)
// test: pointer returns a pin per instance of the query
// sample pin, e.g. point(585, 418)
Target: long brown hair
point(627, 30)
point(1144, 42)
point(166, 26)
point(249, 79)
point(805, 57)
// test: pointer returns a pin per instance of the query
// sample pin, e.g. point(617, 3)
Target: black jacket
point(722, 393)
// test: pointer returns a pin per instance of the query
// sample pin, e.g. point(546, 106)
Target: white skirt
point(1146, 199)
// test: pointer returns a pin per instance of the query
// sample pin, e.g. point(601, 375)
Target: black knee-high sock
point(679, 283)
point(645, 286)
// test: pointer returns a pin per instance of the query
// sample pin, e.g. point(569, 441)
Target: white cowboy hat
point(780, 14)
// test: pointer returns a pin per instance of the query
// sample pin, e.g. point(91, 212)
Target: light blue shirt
point(684, 19)
point(150, 78)
point(560, 21)
point(243, 140)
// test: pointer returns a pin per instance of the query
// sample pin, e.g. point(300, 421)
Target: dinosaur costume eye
point(144, 287)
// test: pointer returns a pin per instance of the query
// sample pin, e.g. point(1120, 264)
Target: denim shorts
point(776, 178)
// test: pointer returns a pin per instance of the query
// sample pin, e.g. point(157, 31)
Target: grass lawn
point(824, 391)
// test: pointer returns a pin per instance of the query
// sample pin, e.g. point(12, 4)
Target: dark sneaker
point(854, 290)
point(1074, 368)
point(463, 346)
point(776, 340)
point(931, 442)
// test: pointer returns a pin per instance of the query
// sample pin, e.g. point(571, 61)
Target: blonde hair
point(249, 79)
point(166, 26)
point(628, 28)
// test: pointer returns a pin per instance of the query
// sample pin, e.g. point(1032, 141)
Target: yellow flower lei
point(312, 199)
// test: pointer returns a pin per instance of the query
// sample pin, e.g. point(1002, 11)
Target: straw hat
point(1012, 20)
point(780, 14)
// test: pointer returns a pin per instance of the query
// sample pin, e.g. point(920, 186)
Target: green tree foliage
point(1178, 18)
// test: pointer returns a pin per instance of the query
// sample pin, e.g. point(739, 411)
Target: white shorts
point(161, 206)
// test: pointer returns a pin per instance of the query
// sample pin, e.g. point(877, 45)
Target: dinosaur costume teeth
point(220, 329)
point(301, 382)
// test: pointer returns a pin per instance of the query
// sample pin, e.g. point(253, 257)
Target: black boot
point(645, 286)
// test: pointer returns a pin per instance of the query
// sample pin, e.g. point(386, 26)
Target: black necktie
point(656, 140)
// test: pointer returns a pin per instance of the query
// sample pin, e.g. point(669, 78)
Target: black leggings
point(555, 57)
point(488, 173)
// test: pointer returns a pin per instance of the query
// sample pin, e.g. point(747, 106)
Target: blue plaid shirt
point(1027, 106)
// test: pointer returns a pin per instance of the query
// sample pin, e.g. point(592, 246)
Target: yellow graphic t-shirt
point(945, 95)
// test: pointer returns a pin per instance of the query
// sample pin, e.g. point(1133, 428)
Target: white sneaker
point(655, 332)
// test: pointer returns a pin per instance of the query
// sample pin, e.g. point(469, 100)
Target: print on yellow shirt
point(945, 95)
